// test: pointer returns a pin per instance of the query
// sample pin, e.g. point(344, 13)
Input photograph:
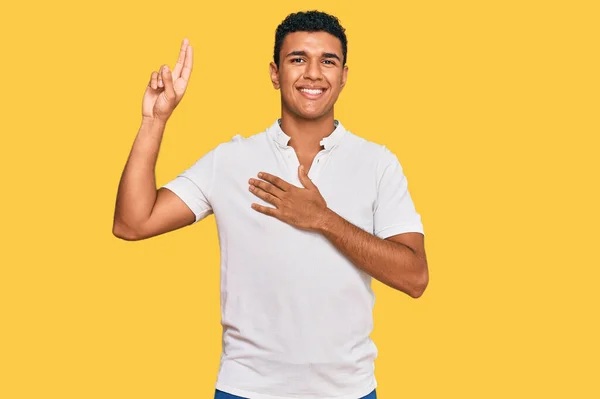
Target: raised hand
point(166, 89)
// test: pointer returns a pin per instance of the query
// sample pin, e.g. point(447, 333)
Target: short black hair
point(310, 21)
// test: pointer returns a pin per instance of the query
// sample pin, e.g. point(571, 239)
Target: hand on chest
point(348, 191)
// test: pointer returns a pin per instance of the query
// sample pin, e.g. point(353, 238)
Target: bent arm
point(142, 211)
point(398, 261)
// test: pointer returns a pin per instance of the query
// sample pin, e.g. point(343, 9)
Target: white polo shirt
point(296, 313)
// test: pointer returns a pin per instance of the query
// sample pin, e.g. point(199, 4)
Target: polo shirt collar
point(328, 142)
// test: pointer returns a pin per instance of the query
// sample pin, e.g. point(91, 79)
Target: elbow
point(123, 232)
point(420, 284)
point(418, 291)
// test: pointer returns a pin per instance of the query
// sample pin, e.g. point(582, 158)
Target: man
point(307, 213)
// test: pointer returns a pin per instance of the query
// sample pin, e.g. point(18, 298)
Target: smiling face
point(310, 74)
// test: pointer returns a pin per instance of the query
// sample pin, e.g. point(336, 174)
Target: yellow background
point(491, 107)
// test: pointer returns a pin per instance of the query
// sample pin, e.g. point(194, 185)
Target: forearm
point(392, 263)
point(137, 189)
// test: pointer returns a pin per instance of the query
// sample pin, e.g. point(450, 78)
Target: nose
point(313, 70)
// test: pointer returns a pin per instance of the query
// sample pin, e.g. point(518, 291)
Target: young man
point(307, 213)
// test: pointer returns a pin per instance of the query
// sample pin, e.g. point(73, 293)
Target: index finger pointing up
point(180, 61)
point(187, 64)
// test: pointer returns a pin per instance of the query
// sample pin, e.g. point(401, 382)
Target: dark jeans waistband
point(225, 395)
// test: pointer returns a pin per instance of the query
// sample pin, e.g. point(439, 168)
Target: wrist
point(326, 222)
point(150, 121)
point(152, 127)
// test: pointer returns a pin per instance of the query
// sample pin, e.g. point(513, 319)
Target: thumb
point(306, 182)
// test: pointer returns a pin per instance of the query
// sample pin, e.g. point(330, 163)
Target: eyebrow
point(325, 55)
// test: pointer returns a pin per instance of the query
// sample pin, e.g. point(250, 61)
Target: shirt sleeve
point(194, 185)
point(394, 211)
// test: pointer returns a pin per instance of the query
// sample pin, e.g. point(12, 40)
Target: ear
point(274, 75)
point(344, 76)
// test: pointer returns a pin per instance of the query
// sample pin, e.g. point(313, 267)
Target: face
point(310, 74)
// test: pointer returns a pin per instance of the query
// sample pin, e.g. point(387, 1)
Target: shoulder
point(377, 153)
point(373, 158)
point(239, 145)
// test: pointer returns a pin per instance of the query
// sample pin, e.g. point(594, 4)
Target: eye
point(297, 59)
point(329, 62)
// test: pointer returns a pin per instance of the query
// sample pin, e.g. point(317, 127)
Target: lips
point(312, 92)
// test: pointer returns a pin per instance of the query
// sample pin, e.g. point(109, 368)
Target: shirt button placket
point(316, 166)
point(290, 156)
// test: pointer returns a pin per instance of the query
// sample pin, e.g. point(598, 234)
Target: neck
point(306, 134)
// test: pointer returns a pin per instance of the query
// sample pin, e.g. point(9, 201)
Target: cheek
point(332, 79)
point(291, 75)
point(335, 79)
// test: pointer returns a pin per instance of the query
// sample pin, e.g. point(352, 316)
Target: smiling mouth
point(312, 93)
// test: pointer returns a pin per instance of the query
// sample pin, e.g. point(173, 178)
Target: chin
point(301, 111)
point(312, 114)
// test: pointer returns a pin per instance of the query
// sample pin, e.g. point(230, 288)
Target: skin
point(314, 60)
point(142, 211)
point(308, 60)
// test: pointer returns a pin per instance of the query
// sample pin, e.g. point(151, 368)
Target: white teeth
point(312, 91)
